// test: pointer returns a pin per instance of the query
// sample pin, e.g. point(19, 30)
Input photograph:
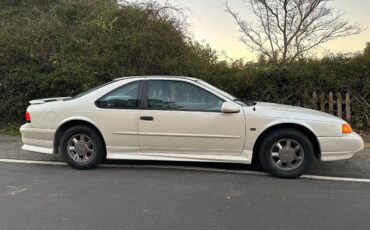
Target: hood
point(293, 112)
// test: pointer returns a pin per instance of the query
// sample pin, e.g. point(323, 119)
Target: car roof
point(157, 77)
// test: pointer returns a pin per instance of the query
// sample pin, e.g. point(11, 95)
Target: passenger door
point(183, 118)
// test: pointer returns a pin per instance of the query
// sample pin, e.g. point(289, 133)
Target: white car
point(183, 119)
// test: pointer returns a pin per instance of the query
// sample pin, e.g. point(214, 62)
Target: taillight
point(28, 117)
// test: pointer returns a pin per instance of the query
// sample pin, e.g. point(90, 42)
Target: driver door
point(183, 118)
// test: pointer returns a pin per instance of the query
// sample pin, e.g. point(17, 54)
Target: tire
point(286, 153)
point(82, 148)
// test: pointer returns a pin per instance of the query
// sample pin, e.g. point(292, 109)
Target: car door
point(181, 117)
point(119, 112)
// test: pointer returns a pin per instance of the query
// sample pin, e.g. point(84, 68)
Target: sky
point(209, 23)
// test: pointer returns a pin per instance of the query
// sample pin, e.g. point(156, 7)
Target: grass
point(10, 129)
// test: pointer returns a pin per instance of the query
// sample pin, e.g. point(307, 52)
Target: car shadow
point(255, 166)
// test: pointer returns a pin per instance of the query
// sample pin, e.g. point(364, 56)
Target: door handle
point(146, 118)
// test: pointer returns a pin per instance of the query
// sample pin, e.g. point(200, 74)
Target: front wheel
point(81, 147)
point(286, 153)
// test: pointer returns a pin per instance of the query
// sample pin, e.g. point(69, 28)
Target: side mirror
point(227, 107)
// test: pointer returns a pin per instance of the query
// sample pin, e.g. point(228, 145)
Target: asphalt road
point(39, 197)
point(357, 167)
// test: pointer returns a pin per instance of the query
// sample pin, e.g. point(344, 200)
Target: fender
point(58, 130)
point(76, 118)
point(266, 124)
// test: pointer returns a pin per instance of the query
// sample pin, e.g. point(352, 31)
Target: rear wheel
point(81, 147)
point(286, 153)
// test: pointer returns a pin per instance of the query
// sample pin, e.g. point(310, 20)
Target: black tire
point(273, 139)
point(98, 146)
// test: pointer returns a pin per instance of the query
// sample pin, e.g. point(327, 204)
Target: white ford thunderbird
point(183, 119)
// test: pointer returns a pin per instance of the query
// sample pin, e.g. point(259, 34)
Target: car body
point(181, 119)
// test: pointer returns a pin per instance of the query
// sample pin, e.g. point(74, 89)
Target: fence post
point(348, 107)
point(339, 105)
point(331, 103)
point(322, 102)
point(314, 100)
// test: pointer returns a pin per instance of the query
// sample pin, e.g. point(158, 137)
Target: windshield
point(227, 95)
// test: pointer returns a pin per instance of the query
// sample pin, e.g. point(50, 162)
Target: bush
point(59, 48)
point(52, 48)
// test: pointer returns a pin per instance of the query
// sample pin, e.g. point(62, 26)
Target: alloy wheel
point(287, 154)
point(80, 148)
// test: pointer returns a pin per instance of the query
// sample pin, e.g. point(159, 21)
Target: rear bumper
point(37, 140)
point(340, 148)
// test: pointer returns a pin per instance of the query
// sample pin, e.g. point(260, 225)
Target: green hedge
point(295, 83)
point(59, 48)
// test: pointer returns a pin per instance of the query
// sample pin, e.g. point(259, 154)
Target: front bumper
point(340, 148)
point(37, 140)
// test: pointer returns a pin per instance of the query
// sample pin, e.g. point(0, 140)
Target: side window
point(126, 96)
point(178, 95)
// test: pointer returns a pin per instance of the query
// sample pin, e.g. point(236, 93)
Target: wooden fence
point(335, 104)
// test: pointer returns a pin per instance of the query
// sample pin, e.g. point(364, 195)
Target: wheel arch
point(303, 128)
point(65, 125)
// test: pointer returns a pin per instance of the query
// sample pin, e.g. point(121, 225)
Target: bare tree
point(285, 30)
point(161, 10)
